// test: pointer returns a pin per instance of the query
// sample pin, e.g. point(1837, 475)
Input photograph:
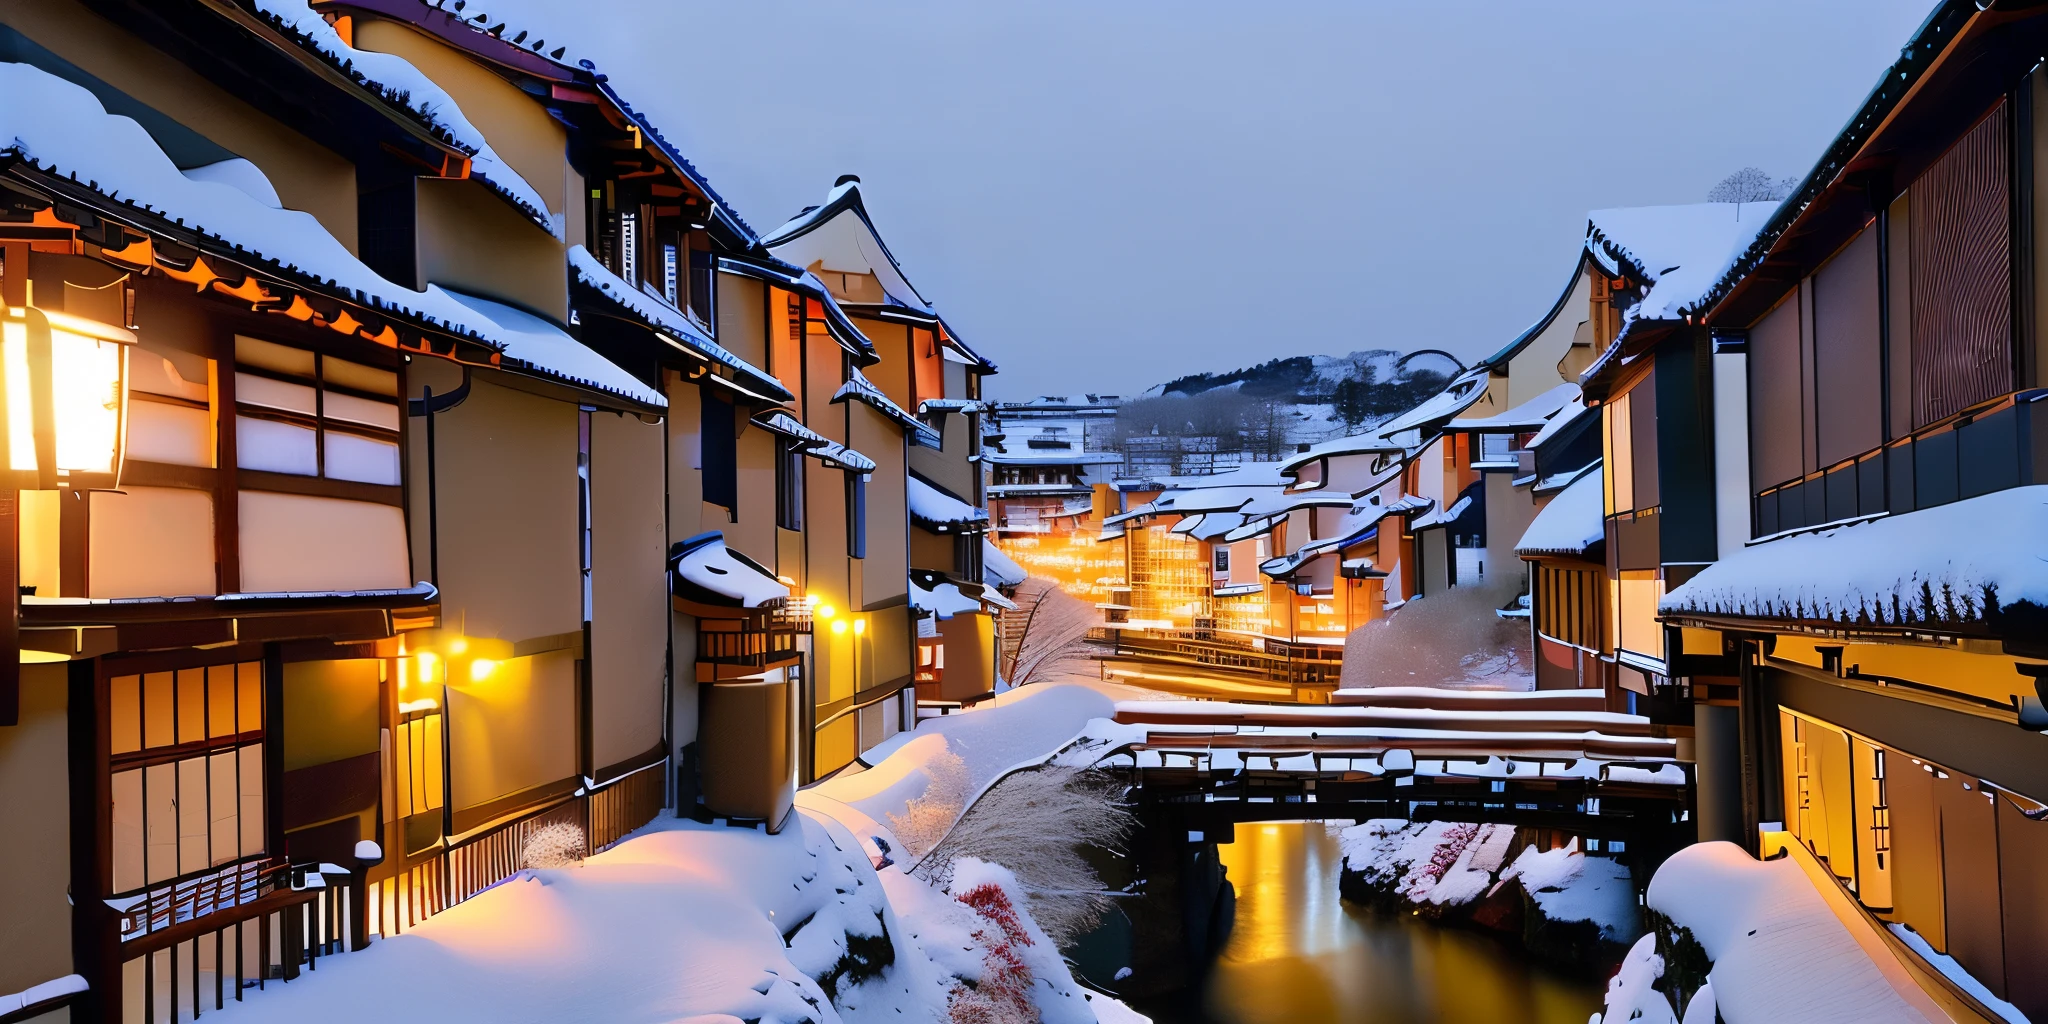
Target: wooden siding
point(1962, 309)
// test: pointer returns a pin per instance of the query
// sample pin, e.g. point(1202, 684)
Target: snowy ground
point(1452, 864)
point(707, 924)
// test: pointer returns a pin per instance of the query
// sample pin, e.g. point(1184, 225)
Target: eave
point(1954, 68)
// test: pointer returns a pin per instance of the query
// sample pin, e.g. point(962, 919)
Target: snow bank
point(1779, 952)
point(1018, 729)
point(680, 921)
point(1631, 995)
point(1570, 886)
point(1954, 563)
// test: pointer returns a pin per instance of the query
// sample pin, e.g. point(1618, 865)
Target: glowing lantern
point(65, 382)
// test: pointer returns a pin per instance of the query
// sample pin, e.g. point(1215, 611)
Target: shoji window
point(304, 414)
point(1961, 258)
point(187, 772)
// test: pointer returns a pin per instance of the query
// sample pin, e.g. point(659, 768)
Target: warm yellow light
point(839, 627)
point(825, 611)
point(860, 626)
point(21, 422)
point(427, 661)
point(85, 376)
point(458, 645)
point(481, 669)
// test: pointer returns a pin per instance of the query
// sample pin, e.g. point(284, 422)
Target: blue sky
point(1105, 195)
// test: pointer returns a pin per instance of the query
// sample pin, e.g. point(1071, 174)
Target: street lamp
point(64, 382)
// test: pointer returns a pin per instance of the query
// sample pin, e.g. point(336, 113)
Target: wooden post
point(10, 620)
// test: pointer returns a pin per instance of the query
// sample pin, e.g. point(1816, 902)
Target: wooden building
point(1868, 378)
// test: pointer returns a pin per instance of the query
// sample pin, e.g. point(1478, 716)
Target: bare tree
point(1036, 823)
point(1750, 185)
point(1051, 635)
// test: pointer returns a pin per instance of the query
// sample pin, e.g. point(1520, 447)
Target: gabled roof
point(937, 510)
point(558, 81)
point(394, 78)
point(1356, 527)
point(1556, 425)
point(1499, 360)
point(839, 235)
point(805, 283)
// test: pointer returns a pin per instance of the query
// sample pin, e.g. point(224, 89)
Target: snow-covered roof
point(999, 569)
point(705, 571)
point(860, 389)
point(398, 82)
point(61, 129)
point(839, 234)
point(1371, 442)
point(673, 325)
point(815, 444)
point(1680, 252)
point(1565, 417)
point(1442, 516)
point(1534, 414)
point(1353, 527)
point(1456, 397)
point(1273, 502)
point(940, 511)
point(1572, 523)
point(943, 599)
point(1048, 457)
point(550, 351)
point(1959, 564)
point(805, 283)
point(946, 405)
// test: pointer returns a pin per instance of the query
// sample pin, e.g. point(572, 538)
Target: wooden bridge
point(1549, 759)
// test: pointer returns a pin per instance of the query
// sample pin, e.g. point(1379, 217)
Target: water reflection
point(1299, 955)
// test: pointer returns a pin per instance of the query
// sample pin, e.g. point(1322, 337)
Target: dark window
point(856, 515)
point(789, 486)
point(701, 291)
point(1222, 560)
point(967, 555)
point(720, 454)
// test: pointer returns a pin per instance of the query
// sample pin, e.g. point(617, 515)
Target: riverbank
point(1558, 903)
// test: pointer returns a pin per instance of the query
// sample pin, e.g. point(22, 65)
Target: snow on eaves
point(1534, 414)
point(1565, 417)
point(839, 235)
point(1963, 563)
point(1455, 398)
point(998, 569)
point(61, 129)
point(706, 570)
point(934, 508)
point(859, 388)
point(548, 350)
point(1679, 252)
point(398, 82)
point(1572, 523)
point(667, 319)
point(814, 444)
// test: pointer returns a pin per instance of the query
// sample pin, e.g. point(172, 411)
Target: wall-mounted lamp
point(63, 417)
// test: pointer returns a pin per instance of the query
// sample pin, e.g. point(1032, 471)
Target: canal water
point(1299, 954)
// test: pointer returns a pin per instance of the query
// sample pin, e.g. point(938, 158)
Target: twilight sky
point(1103, 195)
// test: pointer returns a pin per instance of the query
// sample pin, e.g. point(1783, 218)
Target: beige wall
point(150, 542)
point(1509, 510)
point(307, 176)
point(970, 656)
point(330, 710)
point(892, 374)
point(1549, 360)
point(754, 530)
point(35, 870)
point(743, 318)
point(949, 467)
point(472, 241)
point(522, 133)
point(893, 640)
point(687, 514)
point(629, 609)
point(885, 574)
point(513, 731)
point(512, 577)
point(299, 542)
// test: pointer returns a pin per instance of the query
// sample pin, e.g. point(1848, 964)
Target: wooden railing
point(189, 966)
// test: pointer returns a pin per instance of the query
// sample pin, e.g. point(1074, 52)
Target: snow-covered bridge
point(1543, 758)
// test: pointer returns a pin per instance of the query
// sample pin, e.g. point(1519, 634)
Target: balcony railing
point(1988, 447)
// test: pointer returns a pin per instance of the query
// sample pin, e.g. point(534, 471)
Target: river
point(1298, 954)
